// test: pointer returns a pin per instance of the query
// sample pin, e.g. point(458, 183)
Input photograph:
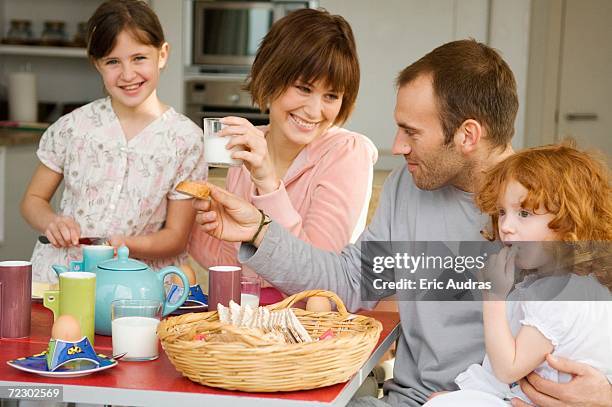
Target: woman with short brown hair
point(302, 170)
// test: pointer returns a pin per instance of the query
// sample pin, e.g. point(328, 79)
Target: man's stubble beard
point(444, 167)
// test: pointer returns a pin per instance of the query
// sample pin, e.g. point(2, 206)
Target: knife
point(92, 241)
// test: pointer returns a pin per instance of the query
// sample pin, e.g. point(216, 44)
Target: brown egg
point(66, 328)
point(318, 304)
point(189, 273)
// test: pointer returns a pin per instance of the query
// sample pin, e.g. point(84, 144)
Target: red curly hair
point(572, 185)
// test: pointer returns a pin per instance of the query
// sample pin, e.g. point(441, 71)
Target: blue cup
point(92, 256)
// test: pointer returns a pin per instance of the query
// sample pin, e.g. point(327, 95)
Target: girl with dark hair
point(120, 157)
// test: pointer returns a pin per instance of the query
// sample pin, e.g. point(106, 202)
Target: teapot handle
point(168, 307)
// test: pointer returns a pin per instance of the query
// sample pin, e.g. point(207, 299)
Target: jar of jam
point(80, 38)
point(19, 32)
point(53, 33)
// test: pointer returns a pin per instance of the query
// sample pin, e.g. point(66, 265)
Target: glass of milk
point(134, 325)
point(250, 289)
point(215, 153)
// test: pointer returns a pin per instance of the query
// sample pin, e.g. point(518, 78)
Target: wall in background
point(543, 72)
point(399, 32)
point(389, 38)
point(19, 237)
point(171, 89)
point(509, 33)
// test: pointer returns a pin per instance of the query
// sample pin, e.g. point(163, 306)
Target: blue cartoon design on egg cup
point(71, 355)
point(196, 295)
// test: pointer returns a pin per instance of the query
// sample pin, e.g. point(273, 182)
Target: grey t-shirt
point(438, 340)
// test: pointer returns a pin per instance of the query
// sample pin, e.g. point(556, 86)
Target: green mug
point(76, 297)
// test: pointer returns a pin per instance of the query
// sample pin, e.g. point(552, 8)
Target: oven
point(219, 97)
point(226, 33)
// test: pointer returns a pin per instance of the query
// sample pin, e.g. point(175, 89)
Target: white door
point(585, 92)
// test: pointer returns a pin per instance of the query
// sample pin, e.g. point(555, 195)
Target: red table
point(158, 383)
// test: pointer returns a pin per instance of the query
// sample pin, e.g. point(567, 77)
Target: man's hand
point(589, 387)
point(436, 394)
point(227, 217)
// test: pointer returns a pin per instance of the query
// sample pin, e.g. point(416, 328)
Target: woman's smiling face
point(304, 111)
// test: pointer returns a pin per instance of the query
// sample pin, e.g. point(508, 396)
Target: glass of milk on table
point(215, 153)
point(134, 326)
point(250, 289)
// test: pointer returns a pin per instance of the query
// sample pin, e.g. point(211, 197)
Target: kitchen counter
point(15, 137)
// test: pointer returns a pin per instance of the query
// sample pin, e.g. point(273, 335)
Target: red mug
point(15, 298)
point(223, 285)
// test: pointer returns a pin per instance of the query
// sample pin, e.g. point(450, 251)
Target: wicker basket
point(259, 367)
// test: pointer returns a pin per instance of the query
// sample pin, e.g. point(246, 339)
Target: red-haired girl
point(535, 197)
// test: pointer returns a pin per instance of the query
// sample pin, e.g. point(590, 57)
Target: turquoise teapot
point(125, 278)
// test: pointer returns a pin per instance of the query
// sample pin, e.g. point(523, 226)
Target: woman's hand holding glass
point(255, 155)
point(63, 231)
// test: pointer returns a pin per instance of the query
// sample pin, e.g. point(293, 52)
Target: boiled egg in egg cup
point(68, 347)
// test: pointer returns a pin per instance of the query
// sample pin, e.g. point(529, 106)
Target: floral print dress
point(113, 186)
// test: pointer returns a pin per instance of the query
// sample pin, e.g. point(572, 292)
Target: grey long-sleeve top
point(438, 340)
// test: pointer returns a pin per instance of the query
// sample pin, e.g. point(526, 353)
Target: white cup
point(215, 153)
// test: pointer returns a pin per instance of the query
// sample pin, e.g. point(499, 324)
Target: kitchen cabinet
point(20, 161)
point(19, 164)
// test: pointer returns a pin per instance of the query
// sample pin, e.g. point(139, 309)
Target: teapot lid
point(123, 262)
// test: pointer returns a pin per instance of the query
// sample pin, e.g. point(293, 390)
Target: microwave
point(227, 33)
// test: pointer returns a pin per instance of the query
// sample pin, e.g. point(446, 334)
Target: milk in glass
point(136, 336)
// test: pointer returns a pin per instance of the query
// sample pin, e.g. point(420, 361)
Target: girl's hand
point(117, 241)
point(63, 231)
point(500, 272)
point(255, 154)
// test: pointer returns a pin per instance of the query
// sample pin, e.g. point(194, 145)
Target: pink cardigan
point(319, 199)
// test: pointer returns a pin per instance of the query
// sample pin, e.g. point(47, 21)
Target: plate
point(37, 364)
